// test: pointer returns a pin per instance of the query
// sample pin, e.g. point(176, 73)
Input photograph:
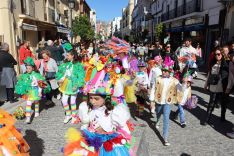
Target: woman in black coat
point(8, 74)
point(216, 83)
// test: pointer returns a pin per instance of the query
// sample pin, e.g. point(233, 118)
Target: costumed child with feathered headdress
point(142, 86)
point(164, 95)
point(104, 126)
point(30, 85)
point(70, 76)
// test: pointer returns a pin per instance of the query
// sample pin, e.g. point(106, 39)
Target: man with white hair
point(56, 52)
point(8, 74)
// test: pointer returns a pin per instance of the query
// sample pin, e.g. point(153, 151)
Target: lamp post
point(71, 4)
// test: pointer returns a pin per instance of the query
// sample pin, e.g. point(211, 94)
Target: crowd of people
point(109, 76)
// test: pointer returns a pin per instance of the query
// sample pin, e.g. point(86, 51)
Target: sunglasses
point(218, 54)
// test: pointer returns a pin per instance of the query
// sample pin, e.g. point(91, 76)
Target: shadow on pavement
point(146, 116)
point(36, 144)
point(215, 122)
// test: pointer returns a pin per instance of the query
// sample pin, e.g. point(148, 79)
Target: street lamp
point(71, 4)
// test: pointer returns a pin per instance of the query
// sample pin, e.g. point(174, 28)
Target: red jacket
point(24, 53)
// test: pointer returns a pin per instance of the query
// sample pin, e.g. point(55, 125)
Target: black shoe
point(183, 125)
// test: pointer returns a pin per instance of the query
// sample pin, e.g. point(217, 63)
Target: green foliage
point(81, 26)
point(159, 30)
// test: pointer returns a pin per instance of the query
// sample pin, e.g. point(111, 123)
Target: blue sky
point(107, 9)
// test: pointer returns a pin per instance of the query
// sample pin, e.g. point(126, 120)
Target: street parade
point(113, 96)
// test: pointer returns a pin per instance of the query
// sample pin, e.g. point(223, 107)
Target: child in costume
point(165, 94)
point(142, 86)
point(104, 126)
point(154, 73)
point(11, 140)
point(71, 76)
point(30, 86)
point(184, 97)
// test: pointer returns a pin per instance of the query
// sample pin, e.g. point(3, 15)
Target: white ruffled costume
point(94, 118)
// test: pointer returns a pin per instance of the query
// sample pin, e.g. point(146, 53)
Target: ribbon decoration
point(89, 148)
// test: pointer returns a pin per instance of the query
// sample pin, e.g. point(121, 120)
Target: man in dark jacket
point(8, 74)
point(56, 52)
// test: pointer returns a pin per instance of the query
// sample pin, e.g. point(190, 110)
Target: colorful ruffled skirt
point(94, 144)
point(66, 87)
point(33, 94)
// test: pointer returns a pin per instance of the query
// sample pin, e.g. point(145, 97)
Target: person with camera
point(216, 83)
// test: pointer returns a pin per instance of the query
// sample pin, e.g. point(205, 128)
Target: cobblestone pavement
point(46, 134)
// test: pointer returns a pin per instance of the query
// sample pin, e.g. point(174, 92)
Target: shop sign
point(63, 30)
point(30, 27)
point(194, 21)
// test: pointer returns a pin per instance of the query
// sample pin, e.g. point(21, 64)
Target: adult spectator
point(48, 69)
point(41, 47)
point(24, 52)
point(8, 76)
point(216, 83)
point(225, 53)
point(212, 56)
point(157, 50)
point(170, 53)
point(141, 51)
point(56, 52)
point(187, 56)
point(231, 83)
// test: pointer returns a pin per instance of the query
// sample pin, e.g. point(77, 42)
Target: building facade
point(115, 25)
point(93, 20)
point(141, 21)
point(35, 20)
point(126, 21)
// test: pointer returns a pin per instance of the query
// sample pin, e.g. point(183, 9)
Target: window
point(23, 6)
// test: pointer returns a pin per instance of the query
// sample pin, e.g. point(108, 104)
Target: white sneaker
point(67, 119)
point(231, 135)
point(36, 115)
point(157, 125)
point(28, 120)
point(58, 97)
point(166, 143)
point(73, 121)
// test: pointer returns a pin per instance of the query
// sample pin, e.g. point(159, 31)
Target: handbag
point(50, 75)
point(213, 79)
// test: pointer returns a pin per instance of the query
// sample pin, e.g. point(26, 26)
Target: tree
point(160, 31)
point(81, 26)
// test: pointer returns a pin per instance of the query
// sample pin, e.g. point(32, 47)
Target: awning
point(63, 30)
point(194, 27)
point(175, 29)
point(30, 27)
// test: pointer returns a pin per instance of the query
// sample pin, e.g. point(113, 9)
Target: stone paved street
point(46, 134)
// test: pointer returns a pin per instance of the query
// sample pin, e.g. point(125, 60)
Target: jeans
point(180, 111)
point(165, 110)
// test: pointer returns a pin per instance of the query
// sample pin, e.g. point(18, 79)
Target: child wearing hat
point(71, 77)
point(142, 86)
point(30, 85)
point(184, 94)
point(104, 126)
point(165, 94)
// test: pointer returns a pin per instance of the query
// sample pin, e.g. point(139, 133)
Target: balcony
point(188, 8)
